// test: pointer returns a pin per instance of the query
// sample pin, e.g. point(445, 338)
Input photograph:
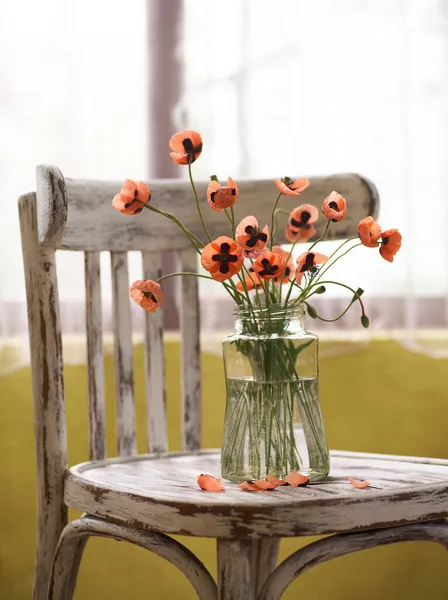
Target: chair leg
point(48, 535)
point(264, 560)
point(235, 570)
point(66, 565)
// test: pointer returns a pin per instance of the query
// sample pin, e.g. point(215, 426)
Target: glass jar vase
point(273, 422)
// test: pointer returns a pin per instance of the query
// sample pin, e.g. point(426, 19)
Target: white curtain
point(73, 88)
point(292, 87)
point(300, 88)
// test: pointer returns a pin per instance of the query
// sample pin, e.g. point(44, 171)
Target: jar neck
point(272, 320)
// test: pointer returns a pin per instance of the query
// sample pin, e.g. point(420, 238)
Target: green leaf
point(311, 311)
point(321, 289)
point(365, 321)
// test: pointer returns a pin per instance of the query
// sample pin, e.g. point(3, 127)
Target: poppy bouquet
point(273, 416)
point(247, 261)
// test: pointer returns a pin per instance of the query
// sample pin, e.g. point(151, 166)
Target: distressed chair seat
point(160, 493)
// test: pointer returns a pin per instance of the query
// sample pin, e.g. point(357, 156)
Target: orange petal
point(262, 484)
point(275, 481)
point(359, 484)
point(297, 479)
point(300, 184)
point(209, 483)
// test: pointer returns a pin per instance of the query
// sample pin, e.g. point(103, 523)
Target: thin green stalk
point(190, 235)
point(272, 221)
point(328, 264)
point(197, 203)
point(321, 237)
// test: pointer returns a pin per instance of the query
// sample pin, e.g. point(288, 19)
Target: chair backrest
point(73, 214)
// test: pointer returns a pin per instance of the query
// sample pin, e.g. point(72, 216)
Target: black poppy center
point(268, 269)
point(385, 240)
point(150, 296)
point(333, 205)
point(191, 152)
point(224, 258)
point(303, 223)
point(255, 235)
point(308, 265)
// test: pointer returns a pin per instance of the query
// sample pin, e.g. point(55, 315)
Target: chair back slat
point(191, 372)
point(89, 203)
point(95, 360)
point(124, 368)
point(154, 364)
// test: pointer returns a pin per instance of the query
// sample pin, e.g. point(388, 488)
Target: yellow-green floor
point(379, 398)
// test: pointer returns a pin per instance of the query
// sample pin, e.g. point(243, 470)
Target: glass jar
point(273, 422)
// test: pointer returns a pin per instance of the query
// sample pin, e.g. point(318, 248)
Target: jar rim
point(273, 311)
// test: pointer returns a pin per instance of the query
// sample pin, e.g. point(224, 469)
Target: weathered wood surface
point(95, 360)
point(341, 544)
point(123, 352)
point(75, 535)
point(191, 368)
point(92, 223)
point(235, 570)
point(162, 493)
point(48, 391)
point(264, 560)
point(155, 364)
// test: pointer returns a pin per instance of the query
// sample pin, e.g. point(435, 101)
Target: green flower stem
point(187, 274)
point(330, 264)
point(321, 237)
point(330, 320)
point(231, 219)
point(357, 296)
point(197, 203)
point(193, 239)
point(272, 221)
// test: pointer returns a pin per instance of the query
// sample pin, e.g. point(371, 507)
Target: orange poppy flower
point(147, 294)
point(186, 146)
point(390, 244)
point(307, 263)
point(132, 194)
point(334, 207)
point(250, 237)
point(256, 486)
point(299, 235)
point(220, 197)
point(359, 484)
point(369, 232)
point(289, 187)
point(222, 258)
point(276, 481)
point(252, 281)
point(285, 276)
point(299, 228)
point(269, 265)
point(209, 483)
point(297, 479)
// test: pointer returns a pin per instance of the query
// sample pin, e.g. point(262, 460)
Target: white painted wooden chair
point(143, 498)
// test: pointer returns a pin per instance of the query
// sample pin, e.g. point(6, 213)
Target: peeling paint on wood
point(124, 368)
point(95, 360)
point(166, 496)
point(76, 534)
point(92, 225)
point(155, 364)
point(345, 543)
point(191, 369)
